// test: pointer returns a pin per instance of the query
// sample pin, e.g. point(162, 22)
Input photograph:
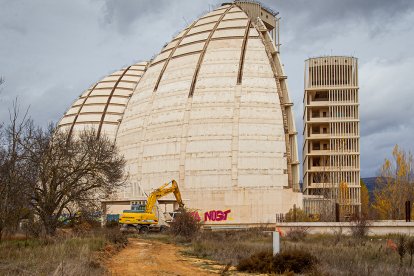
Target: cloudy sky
point(50, 51)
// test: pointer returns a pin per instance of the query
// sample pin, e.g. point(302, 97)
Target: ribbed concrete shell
point(207, 113)
point(102, 106)
point(212, 111)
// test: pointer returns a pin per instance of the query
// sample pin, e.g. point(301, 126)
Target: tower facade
point(331, 156)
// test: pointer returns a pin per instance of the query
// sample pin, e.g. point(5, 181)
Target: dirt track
point(149, 257)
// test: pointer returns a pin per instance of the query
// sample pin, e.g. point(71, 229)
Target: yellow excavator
point(145, 217)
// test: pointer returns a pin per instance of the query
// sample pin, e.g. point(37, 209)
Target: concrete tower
point(331, 165)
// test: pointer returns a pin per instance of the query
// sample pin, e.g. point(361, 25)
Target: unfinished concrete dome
point(213, 112)
point(102, 106)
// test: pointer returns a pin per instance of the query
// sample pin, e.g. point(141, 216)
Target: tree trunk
point(50, 225)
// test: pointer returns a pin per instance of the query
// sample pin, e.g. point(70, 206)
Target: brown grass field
point(337, 254)
point(86, 254)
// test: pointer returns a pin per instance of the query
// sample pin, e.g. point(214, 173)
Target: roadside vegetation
point(250, 250)
point(68, 253)
point(50, 177)
point(51, 183)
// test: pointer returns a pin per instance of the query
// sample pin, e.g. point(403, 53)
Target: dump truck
point(145, 216)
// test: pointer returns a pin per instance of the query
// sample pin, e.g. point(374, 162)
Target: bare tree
point(66, 174)
point(13, 203)
point(326, 206)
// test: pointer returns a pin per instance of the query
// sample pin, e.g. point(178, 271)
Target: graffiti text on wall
point(212, 215)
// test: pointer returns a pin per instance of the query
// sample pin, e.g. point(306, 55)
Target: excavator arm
point(163, 191)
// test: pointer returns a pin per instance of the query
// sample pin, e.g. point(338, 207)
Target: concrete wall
point(375, 227)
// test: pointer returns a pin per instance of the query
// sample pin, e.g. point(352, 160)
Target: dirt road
point(149, 257)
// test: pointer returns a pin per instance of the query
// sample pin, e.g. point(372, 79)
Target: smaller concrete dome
point(102, 106)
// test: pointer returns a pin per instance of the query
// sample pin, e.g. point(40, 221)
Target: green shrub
point(292, 260)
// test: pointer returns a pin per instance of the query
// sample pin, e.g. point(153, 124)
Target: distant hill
point(370, 183)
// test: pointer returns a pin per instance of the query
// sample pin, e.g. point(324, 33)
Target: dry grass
point(70, 255)
point(229, 247)
point(337, 254)
point(351, 256)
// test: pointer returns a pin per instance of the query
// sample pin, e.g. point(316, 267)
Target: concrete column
point(276, 243)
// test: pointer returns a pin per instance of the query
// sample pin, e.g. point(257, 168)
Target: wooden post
point(337, 213)
point(408, 211)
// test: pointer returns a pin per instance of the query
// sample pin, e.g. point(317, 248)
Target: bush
point(297, 234)
point(185, 225)
point(112, 224)
point(298, 215)
point(33, 228)
point(402, 247)
point(82, 228)
point(359, 227)
point(261, 262)
point(116, 237)
point(287, 261)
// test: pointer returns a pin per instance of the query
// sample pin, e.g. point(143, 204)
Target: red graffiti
point(216, 215)
point(196, 216)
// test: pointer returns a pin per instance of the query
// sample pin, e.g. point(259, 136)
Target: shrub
point(82, 228)
point(184, 225)
point(402, 247)
point(112, 224)
point(261, 262)
point(298, 215)
point(287, 261)
point(297, 234)
point(410, 249)
point(116, 237)
point(359, 227)
point(33, 228)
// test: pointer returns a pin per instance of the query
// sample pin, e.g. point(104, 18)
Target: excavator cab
point(140, 208)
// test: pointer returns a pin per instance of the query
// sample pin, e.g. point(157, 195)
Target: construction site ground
point(152, 257)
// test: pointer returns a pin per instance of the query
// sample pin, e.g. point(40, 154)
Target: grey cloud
point(124, 13)
point(389, 105)
point(51, 52)
point(319, 11)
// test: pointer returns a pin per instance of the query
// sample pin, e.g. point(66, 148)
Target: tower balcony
point(331, 169)
point(318, 120)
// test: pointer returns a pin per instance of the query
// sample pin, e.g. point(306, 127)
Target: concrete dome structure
point(102, 106)
point(212, 111)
